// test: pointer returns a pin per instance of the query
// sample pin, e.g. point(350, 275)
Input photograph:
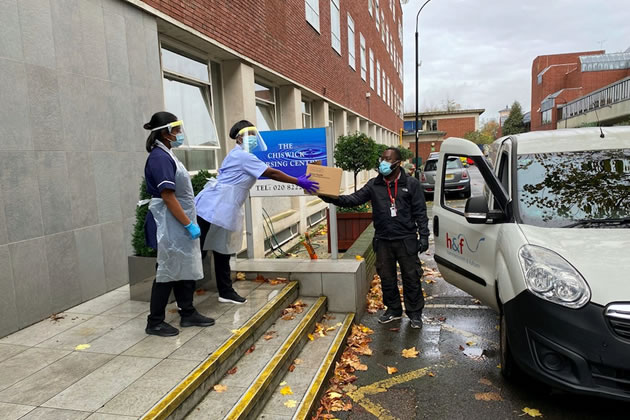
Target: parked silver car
point(457, 179)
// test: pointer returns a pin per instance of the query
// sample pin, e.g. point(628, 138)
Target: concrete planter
point(349, 227)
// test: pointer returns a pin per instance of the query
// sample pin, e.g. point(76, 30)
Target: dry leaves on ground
point(201, 292)
point(295, 308)
point(286, 390)
point(291, 367)
point(411, 353)
point(57, 317)
point(251, 349)
point(391, 370)
point(219, 388)
point(269, 335)
point(297, 361)
point(429, 281)
point(488, 396)
point(290, 403)
point(470, 343)
point(82, 347)
point(532, 412)
point(485, 381)
point(358, 258)
point(431, 374)
point(240, 276)
point(278, 280)
point(260, 279)
point(328, 317)
point(232, 371)
point(335, 399)
point(375, 296)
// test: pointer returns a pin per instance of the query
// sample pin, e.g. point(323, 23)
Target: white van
point(545, 241)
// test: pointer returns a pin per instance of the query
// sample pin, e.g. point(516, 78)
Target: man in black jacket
point(399, 213)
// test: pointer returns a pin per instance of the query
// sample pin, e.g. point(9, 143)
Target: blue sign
point(291, 150)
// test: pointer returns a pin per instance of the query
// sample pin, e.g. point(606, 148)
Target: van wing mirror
point(477, 213)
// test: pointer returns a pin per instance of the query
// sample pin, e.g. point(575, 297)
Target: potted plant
point(142, 263)
point(355, 153)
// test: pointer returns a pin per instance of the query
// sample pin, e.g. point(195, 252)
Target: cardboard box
point(329, 179)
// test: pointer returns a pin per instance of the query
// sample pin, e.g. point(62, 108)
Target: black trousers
point(184, 291)
point(221, 261)
point(404, 252)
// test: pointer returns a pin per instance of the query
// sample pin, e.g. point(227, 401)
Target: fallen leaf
point(283, 383)
point(200, 292)
point(232, 371)
point(485, 381)
point(290, 403)
point(334, 395)
point(173, 311)
point(240, 276)
point(470, 343)
point(476, 301)
point(532, 412)
point(220, 388)
point(328, 317)
point(251, 349)
point(429, 281)
point(499, 366)
point(57, 317)
point(286, 390)
point(269, 335)
point(395, 329)
point(358, 258)
point(82, 347)
point(365, 329)
point(431, 374)
point(442, 319)
point(311, 337)
point(288, 317)
point(391, 370)
point(260, 279)
point(411, 353)
point(279, 280)
point(291, 367)
point(461, 348)
point(297, 361)
point(488, 396)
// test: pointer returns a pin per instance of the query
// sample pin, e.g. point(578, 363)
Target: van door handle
point(436, 226)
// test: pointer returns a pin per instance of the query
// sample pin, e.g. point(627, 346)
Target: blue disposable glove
point(193, 230)
point(308, 185)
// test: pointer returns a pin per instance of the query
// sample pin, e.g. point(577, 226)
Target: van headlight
point(551, 277)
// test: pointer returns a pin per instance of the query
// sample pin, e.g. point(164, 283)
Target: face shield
point(252, 140)
point(176, 129)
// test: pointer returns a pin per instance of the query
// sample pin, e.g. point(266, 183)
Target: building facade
point(561, 79)
point(79, 78)
point(436, 126)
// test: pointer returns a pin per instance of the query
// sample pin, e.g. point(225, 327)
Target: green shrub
point(363, 208)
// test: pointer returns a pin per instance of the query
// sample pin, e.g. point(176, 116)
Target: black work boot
point(232, 297)
point(162, 329)
point(389, 316)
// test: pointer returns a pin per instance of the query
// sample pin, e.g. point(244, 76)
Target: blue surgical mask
point(179, 140)
point(250, 142)
point(385, 168)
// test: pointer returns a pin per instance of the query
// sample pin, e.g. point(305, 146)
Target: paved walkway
point(95, 361)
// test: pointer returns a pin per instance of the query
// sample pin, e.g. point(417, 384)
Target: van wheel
point(509, 370)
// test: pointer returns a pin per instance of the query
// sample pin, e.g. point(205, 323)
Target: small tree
point(406, 154)
point(514, 122)
point(479, 137)
point(356, 152)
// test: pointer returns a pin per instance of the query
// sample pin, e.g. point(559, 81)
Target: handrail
point(606, 96)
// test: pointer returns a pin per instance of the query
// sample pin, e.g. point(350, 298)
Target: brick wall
point(276, 34)
point(456, 127)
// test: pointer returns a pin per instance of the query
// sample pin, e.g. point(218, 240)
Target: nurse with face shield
point(220, 205)
point(171, 227)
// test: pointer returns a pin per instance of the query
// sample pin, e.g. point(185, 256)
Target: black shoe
point(415, 320)
point(196, 320)
point(162, 329)
point(389, 316)
point(232, 297)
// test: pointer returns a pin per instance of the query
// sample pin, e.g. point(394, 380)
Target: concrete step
point(188, 393)
point(312, 369)
point(254, 377)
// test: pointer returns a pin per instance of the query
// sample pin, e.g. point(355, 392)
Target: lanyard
point(393, 199)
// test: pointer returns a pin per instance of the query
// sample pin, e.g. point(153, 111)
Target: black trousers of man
point(404, 252)
point(221, 261)
point(184, 291)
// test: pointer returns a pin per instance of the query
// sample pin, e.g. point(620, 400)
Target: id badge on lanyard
point(392, 199)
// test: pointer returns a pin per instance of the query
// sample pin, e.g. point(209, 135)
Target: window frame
point(378, 78)
point(372, 70)
point(363, 57)
point(352, 57)
point(268, 103)
point(335, 38)
point(307, 114)
point(312, 5)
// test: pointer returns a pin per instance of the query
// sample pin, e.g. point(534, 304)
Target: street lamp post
point(417, 173)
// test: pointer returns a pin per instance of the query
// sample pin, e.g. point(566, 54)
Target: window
point(546, 116)
point(363, 58)
point(335, 26)
point(352, 60)
point(388, 44)
point(372, 69)
point(382, 26)
point(430, 125)
point(265, 107)
point(400, 31)
point(394, 11)
point(383, 82)
point(188, 94)
point(370, 6)
point(378, 78)
point(307, 120)
point(312, 13)
point(376, 15)
point(331, 120)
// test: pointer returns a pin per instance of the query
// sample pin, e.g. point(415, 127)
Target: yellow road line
point(244, 406)
point(181, 392)
point(310, 398)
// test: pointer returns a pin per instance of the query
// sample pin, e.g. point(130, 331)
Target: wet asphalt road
point(412, 393)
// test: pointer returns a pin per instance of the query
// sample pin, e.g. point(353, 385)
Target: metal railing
point(611, 94)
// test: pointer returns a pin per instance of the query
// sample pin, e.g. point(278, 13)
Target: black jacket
point(411, 208)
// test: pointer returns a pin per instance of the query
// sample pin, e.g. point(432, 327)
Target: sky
point(479, 53)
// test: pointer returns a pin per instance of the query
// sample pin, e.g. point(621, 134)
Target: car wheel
point(509, 370)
